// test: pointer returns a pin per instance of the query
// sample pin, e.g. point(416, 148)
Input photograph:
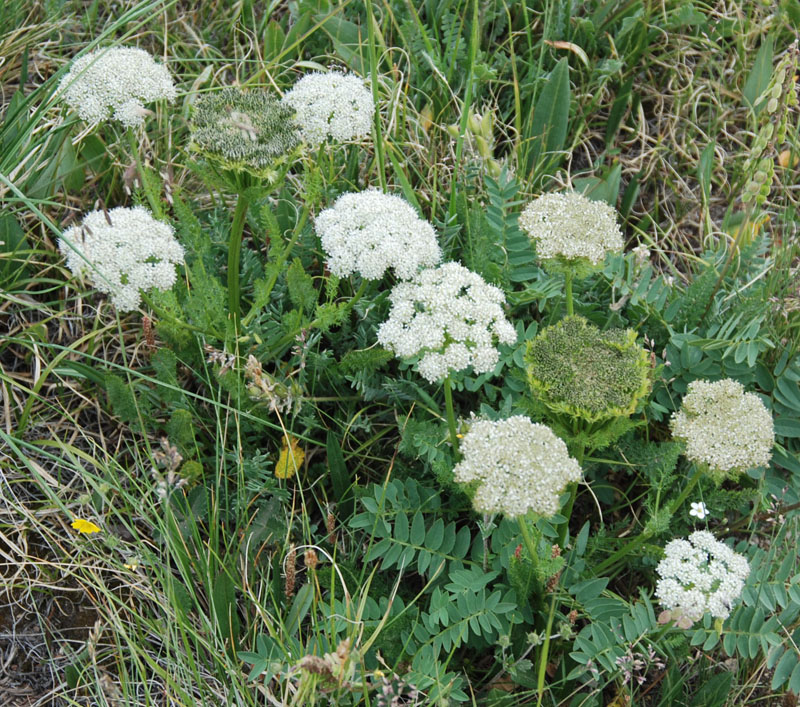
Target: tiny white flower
point(123, 251)
point(369, 232)
point(699, 510)
point(333, 105)
point(116, 83)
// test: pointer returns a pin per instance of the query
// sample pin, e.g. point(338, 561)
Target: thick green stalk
point(528, 540)
point(573, 492)
point(642, 537)
point(545, 651)
point(568, 292)
point(451, 417)
point(234, 257)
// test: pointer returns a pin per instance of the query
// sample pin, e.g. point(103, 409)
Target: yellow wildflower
point(85, 526)
point(291, 458)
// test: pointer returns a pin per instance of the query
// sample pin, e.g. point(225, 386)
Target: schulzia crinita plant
point(123, 251)
point(572, 234)
point(726, 430)
point(700, 575)
point(515, 466)
point(369, 232)
point(331, 105)
point(116, 83)
point(248, 140)
point(575, 370)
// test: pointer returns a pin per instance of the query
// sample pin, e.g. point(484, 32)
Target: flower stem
point(234, 257)
point(528, 540)
point(563, 531)
point(642, 537)
point(451, 417)
point(568, 292)
point(545, 651)
point(152, 199)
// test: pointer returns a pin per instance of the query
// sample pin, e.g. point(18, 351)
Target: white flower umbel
point(570, 227)
point(333, 104)
point(369, 232)
point(123, 251)
point(116, 83)
point(451, 317)
point(700, 574)
point(724, 428)
point(520, 466)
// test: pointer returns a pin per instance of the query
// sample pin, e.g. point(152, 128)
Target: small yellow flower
point(291, 458)
point(85, 526)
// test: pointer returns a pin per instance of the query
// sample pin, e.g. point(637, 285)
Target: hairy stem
point(234, 257)
point(451, 417)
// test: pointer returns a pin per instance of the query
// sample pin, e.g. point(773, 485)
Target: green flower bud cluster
point(576, 369)
point(481, 128)
point(780, 97)
point(246, 131)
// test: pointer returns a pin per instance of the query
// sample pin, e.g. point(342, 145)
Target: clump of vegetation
point(374, 353)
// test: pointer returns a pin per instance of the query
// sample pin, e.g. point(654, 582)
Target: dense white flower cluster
point(450, 316)
point(333, 105)
point(123, 251)
point(116, 82)
point(520, 466)
point(724, 427)
point(570, 226)
point(369, 232)
point(700, 574)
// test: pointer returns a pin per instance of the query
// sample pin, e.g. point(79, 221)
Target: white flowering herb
point(244, 131)
point(700, 574)
point(116, 83)
point(123, 251)
point(571, 228)
point(518, 466)
point(331, 105)
point(451, 318)
point(369, 232)
point(724, 428)
point(699, 510)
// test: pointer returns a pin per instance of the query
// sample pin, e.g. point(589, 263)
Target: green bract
point(244, 131)
point(574, 368)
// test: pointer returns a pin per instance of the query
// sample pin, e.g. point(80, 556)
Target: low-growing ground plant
point(384, 353)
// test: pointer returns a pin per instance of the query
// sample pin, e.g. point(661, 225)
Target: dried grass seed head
point(571, 229)
point(724, 428)
point(116, 83)
point(700, 574)
point(122, 252)
point(331, 105)
point(451, 318)
point(369, 232)
point(517, 466)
